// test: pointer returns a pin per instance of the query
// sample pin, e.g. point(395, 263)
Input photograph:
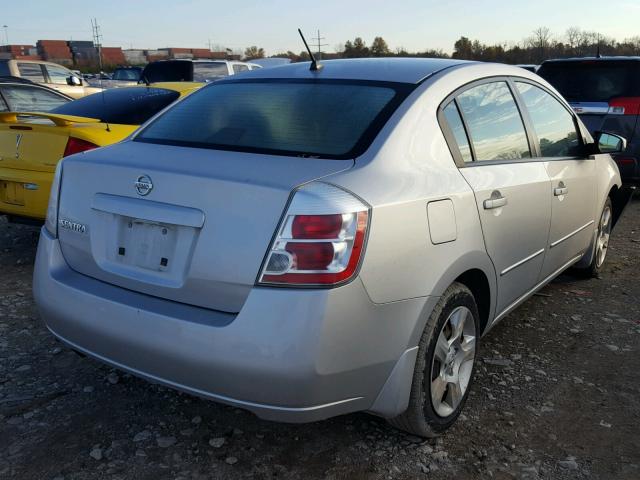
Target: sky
point(412, 24)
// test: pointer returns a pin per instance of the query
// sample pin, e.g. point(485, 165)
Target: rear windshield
point(209, 71)
point(126, 106)
point(168, 71)
point(331, 119)
point(593, 80)
point(130, 74)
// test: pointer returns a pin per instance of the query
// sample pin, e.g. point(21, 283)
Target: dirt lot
point(557, 395)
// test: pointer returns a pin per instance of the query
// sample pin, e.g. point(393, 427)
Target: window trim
point(532, 138)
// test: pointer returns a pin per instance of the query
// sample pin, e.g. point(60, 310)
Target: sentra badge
point(73, 226)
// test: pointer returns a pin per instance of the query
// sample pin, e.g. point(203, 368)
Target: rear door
point(573, 182)
point(511, 188)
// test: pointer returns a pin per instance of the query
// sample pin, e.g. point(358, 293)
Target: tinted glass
point(593, 81)
point(326, 119)
point(455, 124)
point(4, 69)
point(130, 74)
point(494, 122)
point(31, 71)
point(58, 75)
point(551, 121)
point(25, 98)
point(209, 71)
point(126, 106)
point(169, 71)
point(239, 68)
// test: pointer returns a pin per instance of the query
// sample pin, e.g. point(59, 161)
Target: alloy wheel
point(452, 362)
point(604, 232)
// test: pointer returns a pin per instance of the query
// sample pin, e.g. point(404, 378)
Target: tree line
point(541, 45)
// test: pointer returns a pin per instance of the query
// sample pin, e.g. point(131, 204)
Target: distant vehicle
point(121, 77)
point(270, 62)
point(531, 68)
point(605, 93)
point(31, 144)
point(48, 74)
point(304, 243)
point(20, 95)
point(192, 70)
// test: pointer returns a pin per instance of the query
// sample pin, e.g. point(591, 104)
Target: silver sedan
point(307, 243)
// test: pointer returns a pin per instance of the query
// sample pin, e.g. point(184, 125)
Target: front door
point(573, 182)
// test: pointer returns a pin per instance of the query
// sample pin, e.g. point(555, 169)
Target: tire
point(601, 243)
point(426, 417)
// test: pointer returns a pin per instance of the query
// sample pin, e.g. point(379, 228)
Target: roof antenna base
point(315, 65)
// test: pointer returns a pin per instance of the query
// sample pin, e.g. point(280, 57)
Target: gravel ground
point(556, 396)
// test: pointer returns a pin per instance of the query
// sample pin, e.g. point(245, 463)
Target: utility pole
point(319, 39)
point(97, 40)
point(209, 43)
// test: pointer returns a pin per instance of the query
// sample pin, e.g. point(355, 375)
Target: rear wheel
point(444, 367)
point(602, 242)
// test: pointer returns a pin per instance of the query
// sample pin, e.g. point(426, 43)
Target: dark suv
point(605, 93)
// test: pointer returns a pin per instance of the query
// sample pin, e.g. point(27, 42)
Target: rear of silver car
point(171, 262)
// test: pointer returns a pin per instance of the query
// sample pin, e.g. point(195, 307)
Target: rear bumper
point(24, 193)
point(289, 355)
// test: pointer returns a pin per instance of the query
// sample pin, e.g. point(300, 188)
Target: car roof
point(403, 70)
point(594, 59)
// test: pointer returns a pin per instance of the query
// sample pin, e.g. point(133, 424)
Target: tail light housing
point(77, 145)
point(624, 106)
point(320, 240)
point(51, 222)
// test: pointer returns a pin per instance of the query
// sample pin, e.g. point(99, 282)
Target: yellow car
point(31, 144)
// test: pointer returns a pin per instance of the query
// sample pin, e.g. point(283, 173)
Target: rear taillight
point(320, 240)
point(625, 160)
point(624, 106)
point(77, 145)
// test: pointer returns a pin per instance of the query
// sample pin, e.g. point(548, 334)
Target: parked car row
point(310, 240)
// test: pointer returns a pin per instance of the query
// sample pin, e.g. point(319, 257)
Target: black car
point(20, 95)
point(605, 93)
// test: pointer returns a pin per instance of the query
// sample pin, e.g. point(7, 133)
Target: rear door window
point(26, 98)
point(454, 121)
point(331, 119)
point(553, 124)
point(5, 71)
point(31, 71)
point(125, 106)
point(494, 123)
point(593, 80)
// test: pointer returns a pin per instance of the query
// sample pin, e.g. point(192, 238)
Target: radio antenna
point(315, 66)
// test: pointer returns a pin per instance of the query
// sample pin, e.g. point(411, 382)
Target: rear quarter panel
point(408, 166)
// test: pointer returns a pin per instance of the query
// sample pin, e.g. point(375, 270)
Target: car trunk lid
point(187, 224)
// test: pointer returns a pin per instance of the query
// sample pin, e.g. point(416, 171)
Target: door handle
point(496, 201)
point(560, 190)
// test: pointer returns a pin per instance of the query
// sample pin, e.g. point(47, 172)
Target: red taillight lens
point(624, 106)
point(316, 226)
point(311, 256)
point(77, 145)
point(625, 160)
point(318, 249)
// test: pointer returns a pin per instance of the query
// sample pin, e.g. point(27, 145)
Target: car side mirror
point(610, 142)
point(74, 81)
